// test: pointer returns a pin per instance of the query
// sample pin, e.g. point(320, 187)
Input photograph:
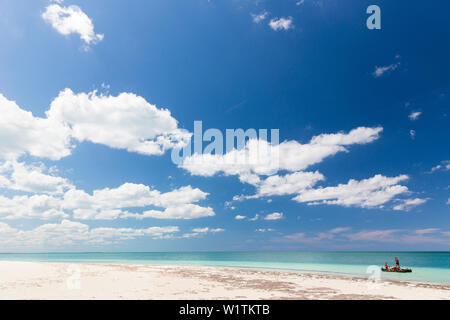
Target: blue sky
point(70, 171)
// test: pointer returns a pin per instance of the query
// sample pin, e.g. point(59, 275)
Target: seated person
point(397, 263)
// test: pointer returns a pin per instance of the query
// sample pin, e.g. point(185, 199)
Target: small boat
point(396, 270)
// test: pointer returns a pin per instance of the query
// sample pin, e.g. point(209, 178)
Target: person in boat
point(386, 266)
point(397, 263)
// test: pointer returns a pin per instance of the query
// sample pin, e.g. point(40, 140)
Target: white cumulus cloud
point(68, 233)
point(381, 70)
point(281, 24)
point(293, 183)
point(257, 18)
point(264, 230)
point(42, 207)
point(112, 203)
point(19, 176)
point(126, 121)
point(445, 165)
point(207, 229)
point(196, 232)
point(259, 157)
point(22, 133)
point(414, 115)
point(367, 193)
point(184, 211)
point(71, 19)
point(274, 216)
point(408, 204)
point(54, 197)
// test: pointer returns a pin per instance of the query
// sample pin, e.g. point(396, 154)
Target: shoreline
point(285, 270)
point(255, 268)
point(78, 280)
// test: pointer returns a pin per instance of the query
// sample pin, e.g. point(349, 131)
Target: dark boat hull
point(399, 271)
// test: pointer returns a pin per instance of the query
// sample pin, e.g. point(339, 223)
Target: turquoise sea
point(427, 266)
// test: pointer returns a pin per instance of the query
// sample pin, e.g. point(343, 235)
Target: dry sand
point(43, 280)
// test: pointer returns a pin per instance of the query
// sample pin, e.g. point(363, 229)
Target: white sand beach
point(44, 280)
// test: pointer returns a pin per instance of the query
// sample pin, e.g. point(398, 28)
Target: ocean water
point(427, 266)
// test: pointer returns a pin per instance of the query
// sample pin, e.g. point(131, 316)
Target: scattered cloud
point(68, 233)
point(257, 18)
point(414, 115)
point(71, 19)
point(376, 235)
point(402, 236)
point(111, 203)
point(196, 232)
point(239, 217)
point(318, 237)
point(339, 230)
point(22, 133)
point(412, 134)
point(367, 193)
point(408, 204)
point(444, 165)
point(21, 177)
point(184, 211)
point(294, 183)
point(293, 156)
point(274, 216)
point(281, 24)
point(296, 237)
point(264, 230)
point(208, 230)
point(427, 231)
point(373, 192)
point(395, 236)
point(380, 71)
point(38, 206)
point(256, 217)
point(126, 121)
point(63, 199)
point(259, 157)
